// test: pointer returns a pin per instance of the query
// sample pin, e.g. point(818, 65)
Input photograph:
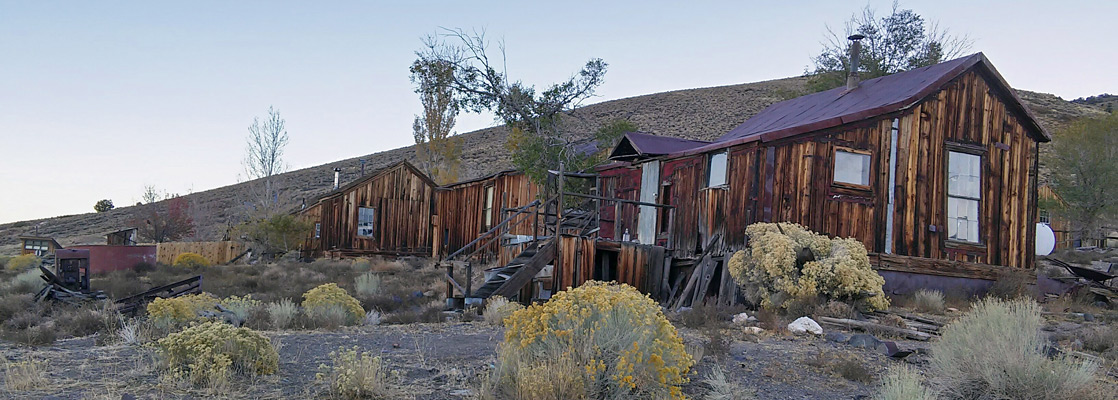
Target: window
point(366, 220)
point(852, 167)
point(487, 211)
point(317, 230)
point(41, 245)
point(1043, 216)
point(964, 173)
point(716, 170)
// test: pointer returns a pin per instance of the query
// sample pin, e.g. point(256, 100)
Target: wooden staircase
point(509, 279)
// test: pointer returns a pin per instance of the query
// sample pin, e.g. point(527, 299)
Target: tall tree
point(539, 140)
point(1085, 174)
point(438, 152)
point(165, 222)
point(264, 161)
point(893, 43)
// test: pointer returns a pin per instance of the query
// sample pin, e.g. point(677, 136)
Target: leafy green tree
point(1085, 174)
point(437, 151)
point(539, 140)
point(279, 233)
point(893, 43)
point(103, 205)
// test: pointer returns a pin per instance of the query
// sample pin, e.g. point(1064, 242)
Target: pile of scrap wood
point(130, 304)
point(1096, 282)
point(56, 290)
point(697, 286)
point(915, 327)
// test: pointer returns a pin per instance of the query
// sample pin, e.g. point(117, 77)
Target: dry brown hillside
point(704, 113)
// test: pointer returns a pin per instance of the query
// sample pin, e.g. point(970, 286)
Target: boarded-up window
point(964, 177)
point(716, 175)
point(366, 221)
point(487, 211)
point(852, 168)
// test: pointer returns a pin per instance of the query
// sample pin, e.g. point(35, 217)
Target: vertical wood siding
point(460, 211)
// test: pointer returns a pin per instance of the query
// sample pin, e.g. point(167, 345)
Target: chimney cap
point(337, 169)
point(856, 37)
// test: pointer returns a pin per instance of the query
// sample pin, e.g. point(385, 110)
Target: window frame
point(710, 169)
point(976, 151)
point(488, 203)
point(862, 189)
point(372, 225)
point(317, 230)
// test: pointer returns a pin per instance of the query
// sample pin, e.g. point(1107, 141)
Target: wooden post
point(449, 284)
point(469, 279)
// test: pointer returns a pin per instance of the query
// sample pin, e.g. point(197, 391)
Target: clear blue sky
point(110, 96)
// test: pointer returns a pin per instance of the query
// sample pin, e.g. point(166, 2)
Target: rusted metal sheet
point(622, 181)
point(686, 177)
point(105, 258)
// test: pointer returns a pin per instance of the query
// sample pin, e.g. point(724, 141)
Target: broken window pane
point(366, 217)
point(853, 168)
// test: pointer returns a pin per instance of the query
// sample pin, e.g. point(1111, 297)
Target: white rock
point(754, 330)
point(743, 318)
point(804, 325)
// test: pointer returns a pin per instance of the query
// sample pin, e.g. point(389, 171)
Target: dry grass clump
point(903, 383)
point(844, 364)
point(22, 262)
point(770, 275)
point(836, 309)
point(367, 285)
point(1012, 284)
point(996, 351)
point(28, 281)
point(1103, 340)
point(208, 354)
point(597, 340)
point(282, 314)
point(929, 301)
point(431, 311)
point(721, 388)
point(498, 308)
point(25, 375)
point(357, 375)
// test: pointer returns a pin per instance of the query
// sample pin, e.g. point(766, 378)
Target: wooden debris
point(866, 325)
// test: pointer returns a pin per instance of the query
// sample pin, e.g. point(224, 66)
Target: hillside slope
point(703, 113)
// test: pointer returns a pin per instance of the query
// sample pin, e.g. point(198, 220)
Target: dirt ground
point(433, 361)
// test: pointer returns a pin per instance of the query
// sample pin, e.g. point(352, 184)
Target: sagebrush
point(326, 298)
point(357, 375)
point(191, 260)
point(498, 308)
point(210, 353)
point(598, 339)
point(768, 272)
point(996, 351)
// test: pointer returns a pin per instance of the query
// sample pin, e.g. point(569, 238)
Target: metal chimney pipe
point(337, 176)
point(852, 77)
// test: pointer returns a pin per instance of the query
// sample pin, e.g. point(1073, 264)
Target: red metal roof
point(642, 145)
point(873, 97)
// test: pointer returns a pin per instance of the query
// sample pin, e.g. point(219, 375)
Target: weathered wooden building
point(933, 169)
point(38, 245)
point(467, 209)
point(387, 212)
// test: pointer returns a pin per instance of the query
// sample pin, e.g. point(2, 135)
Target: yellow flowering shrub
point(22, 262)
point(189, 260)
point(180, 309)
point(356, 375)
point(328, 295)
point(594, 339)
point(209, 353)
point(768, 273)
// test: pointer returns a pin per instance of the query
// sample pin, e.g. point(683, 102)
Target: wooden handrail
point(639, 203)
point(495, 228)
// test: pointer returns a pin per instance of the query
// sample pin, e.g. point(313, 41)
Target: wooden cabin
point(933, 169)
point(467, 209)
point(41, 246)
point(1047, 199)
point(388, 212)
